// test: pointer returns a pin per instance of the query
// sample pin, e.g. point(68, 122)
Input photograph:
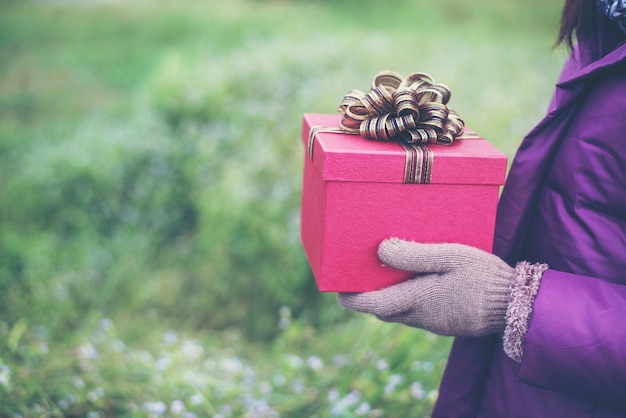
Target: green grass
point(150, 163)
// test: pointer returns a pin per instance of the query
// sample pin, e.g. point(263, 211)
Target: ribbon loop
point(412, 109)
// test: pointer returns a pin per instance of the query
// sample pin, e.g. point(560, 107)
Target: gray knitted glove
point(460, 290)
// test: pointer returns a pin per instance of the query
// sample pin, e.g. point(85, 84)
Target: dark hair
point(578, 17)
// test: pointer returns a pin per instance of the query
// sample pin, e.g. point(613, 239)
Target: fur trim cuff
point(523, 291)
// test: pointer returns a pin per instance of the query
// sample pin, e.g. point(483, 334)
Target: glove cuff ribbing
point(523, 291)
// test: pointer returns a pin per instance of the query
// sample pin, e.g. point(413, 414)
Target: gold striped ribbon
point(411, 110)
point(418, 166)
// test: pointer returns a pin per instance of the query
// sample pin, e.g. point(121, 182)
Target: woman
point(541, 324)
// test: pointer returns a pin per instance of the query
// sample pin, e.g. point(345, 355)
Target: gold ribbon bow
point(412, 109)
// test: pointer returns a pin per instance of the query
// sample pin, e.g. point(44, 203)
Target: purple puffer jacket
point(564, 204)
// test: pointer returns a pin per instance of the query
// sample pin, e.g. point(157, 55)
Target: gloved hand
point(459, 290)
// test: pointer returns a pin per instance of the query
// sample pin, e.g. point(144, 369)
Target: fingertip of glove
point(388, 245)
point(344, 299)
point(392, 252)
point(390, 242)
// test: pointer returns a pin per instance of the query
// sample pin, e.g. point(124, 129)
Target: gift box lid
point(352, 158)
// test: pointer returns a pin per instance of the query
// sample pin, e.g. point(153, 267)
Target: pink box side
point(360, 215)
point(312, 218)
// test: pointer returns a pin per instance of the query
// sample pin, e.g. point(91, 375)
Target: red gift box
point(357, 192)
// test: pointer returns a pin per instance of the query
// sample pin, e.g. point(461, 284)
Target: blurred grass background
point(150, 161)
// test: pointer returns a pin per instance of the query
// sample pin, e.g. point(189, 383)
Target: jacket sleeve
point(576, 339)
